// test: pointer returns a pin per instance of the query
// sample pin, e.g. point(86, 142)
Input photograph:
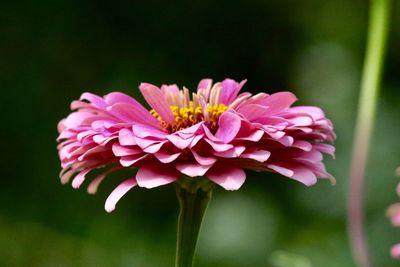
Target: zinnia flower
point(394, 213)
point(215, 133)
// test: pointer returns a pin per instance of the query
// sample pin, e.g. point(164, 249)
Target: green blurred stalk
point(193, 200)
point(371, 77)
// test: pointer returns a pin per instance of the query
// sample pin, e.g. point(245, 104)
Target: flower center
point(186, 117)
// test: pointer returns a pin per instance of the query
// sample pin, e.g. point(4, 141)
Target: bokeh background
point(52, 51)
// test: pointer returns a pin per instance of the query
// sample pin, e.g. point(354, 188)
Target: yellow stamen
point(189, 116)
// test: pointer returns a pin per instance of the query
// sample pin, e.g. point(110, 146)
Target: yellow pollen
point(186, 117)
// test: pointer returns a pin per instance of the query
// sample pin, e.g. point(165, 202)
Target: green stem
point(371, 77)
point(193, 202)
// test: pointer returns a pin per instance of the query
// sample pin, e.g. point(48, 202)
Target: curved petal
point(229, 126)
point(118, 193)
point(193, 169)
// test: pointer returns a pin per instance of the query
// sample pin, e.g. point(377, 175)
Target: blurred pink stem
point(377, 36)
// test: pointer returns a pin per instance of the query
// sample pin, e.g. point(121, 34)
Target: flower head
point(215, 132)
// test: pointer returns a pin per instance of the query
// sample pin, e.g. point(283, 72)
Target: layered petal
point(216, 132)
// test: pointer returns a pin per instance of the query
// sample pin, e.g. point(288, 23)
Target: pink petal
point(121, 151)
point(231, 153)
point(146, 142)
point(133, 114)
point(74, 119)
point(396, 219)
point(118, 97)
point(118, 193)
point(315, 112)
point(144, 131)
point(203, 160)
point(296, 172)
point(253, 111)
point(80, 178)
point(209, 134)
point(128, 161)
point(95, 100)
point(157, 101)
point(94, 184)
point(192, 169)
point(195, 140)
point(165, 157)
point(204, 87)
point(229, 91)
point(254, 136)
point(230, 178)
point(219, 147)
point(325, 148)
point(229, 125)
point(395, 251)
point(126, 138)
point(301, 120)
point(180, 142)
point(173, 88)
point(92, 151)
point(279, 101)
point(154, 147)
point(303, 145)
point(102, 140)
point(258, 155)
point(190, 131)
point(65, 177)
point(204, 84)
point(153, 175)
point(281, 170)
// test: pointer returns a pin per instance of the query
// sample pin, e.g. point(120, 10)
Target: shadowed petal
point(166, 157)
point(128, 161)
point(219, 147)
point(203, 160)
point(94, 184)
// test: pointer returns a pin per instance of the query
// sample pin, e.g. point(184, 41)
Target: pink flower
point(215, 132)
point(393, 212)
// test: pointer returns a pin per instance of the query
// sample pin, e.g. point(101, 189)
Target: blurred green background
point(52, 51)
